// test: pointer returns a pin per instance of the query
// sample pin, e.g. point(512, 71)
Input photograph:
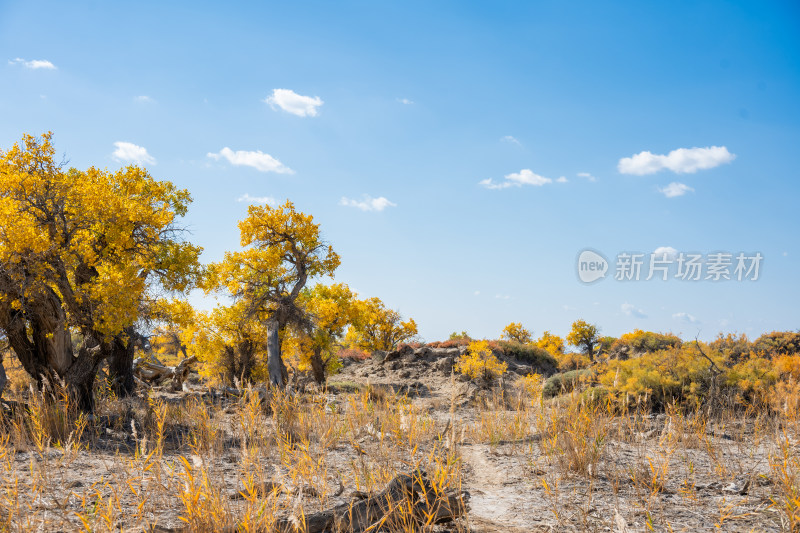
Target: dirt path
point(495, 498)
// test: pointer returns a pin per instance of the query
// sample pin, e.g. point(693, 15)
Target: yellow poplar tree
point(584, 336)
point(375, 327)
point(551, 343)
point(330, 309)
point(229, 343)
point(283, 250)
point(516, 333)
point(84, 252)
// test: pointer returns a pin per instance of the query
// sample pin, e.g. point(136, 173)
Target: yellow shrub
point(480, 361)
point(532, 384)
point(572, 361)
point(676, 374)
point(516, 333)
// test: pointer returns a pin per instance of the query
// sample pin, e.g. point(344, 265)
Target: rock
point(445, 364)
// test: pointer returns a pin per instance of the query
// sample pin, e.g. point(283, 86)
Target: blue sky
point(458, 155)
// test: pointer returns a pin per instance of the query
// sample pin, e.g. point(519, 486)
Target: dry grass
point(206, 465)
point(206, 462)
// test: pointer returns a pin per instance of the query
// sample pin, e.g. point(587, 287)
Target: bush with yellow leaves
point(479, 361)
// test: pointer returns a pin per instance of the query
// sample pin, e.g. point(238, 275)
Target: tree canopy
point(376, 327)
point(89, 252)
point(283, 250)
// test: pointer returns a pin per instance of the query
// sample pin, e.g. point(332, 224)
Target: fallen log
point(408, 499)
point(150, 371)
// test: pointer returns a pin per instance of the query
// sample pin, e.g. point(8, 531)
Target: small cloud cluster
point(255, 159)
point(675, 189)
point(680, 161)
point(296, 104)
point(268, 200)
point(405, 101)
point(33, 64)
point(631, 310)
point(143, 99)
point(367, 203)
point(685, 317)
point(517, 179)
point(131, 153)
point(587, 176)
point(511, 140)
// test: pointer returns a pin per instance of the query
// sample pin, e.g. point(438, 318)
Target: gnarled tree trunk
point(120, 363)
point(318, 366)
point(277, 370)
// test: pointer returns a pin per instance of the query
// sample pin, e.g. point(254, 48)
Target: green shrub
point(566, 382)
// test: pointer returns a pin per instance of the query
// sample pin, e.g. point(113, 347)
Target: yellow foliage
point(480, 361)
point(229, 344)
point(283, 249)
point(375, 327)
point(99, 240)
point(572, 361)
point(584, 336)
point(553, 344)
point(330, 309)
point(532, 384)
point(516, 333)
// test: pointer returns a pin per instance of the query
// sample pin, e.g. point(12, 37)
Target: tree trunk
point(80, 376)
point(230, 364)
point(120, 363)
point(3, 378)
point(246, 360)
point(277, 370)
point(318, 366)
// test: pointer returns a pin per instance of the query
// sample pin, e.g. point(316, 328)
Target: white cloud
point(502, 296)
point(511, 139)
point(34, 64)
point(517, 179)
point(405, 101)
point(631, 310)
point(269, 200)
point(477, 293)
point(296, 104)
point(367, 203)
point(675, 189)
point(685, 317)
point(143, 99)
point(587, 176)
point(132, 153)
point(257, 159)
point(562, 179)
point(670, 252)
point(680, 161)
